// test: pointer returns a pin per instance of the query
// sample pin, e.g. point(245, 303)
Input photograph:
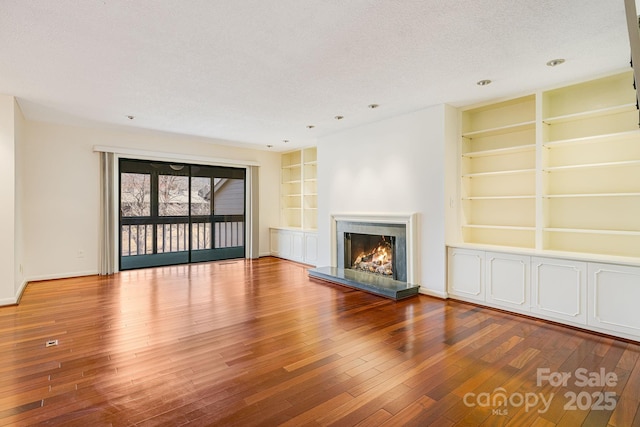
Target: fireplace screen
point(370, 253)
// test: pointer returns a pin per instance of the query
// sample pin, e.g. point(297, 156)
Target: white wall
point(392, 166)
point(61, 186)
point(7, 196)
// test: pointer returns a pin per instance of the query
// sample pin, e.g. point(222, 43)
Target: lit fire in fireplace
point(378, 260)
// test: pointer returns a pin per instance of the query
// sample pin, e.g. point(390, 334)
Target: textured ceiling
point(260, 71)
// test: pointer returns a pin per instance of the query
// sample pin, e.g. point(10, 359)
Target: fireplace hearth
point(372, 253)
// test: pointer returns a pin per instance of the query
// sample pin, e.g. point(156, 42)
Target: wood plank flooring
point(259, 343)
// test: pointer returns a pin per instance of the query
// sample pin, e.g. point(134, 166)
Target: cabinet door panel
point(559, 289)
point(614, 292)
point(311, 248)
point(508, 280)
point(466, 276)
point(284, 244)
point(274, 240)
point(297, 247)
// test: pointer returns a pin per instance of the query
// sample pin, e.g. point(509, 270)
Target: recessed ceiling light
point(555, 62)
point(310, 126)
point(131, 117)
point(285, 140)
point(269, 146)
point(483, 82)
point(339, 117)
point(372, 106)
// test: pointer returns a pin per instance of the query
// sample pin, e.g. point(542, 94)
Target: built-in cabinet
point(556, 170)
point(296, 238)
point(550, 205)
point(296, 245)
point(592, 295)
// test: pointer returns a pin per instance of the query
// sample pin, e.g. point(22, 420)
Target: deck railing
point(173, 236)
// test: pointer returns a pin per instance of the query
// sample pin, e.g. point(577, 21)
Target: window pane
point(200, 196)
point(173, 195)
point(228, 198)
point(135, 189)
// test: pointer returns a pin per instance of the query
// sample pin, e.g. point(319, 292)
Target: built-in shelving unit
point(591, 170)
point(310, 189)
point(298, 193)
point(296, 237)
point(498, 173)
point(550, 206)
point(291, 189)
point(574, 185)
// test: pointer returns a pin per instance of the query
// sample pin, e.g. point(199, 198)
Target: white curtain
point(108, 259)
point(252, 241)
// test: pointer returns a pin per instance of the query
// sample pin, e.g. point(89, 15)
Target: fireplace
point(375, 253)
point(371, 241)
point(370, 253)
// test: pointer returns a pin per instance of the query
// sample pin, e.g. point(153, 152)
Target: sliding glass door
point(179, 213)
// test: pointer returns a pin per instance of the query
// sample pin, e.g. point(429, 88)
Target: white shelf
point(593, 139)
point(499, 197)
point(593, 231)
point(499, 227)
point(497, 173)
point(593, 165)
point(500, 151)
point(553, 196)
point(589, 114)
point(516, 127)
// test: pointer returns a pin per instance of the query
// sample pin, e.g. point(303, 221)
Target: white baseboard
point(16, 298)
point(62, 275)
point(432, 293)
point(8, 301)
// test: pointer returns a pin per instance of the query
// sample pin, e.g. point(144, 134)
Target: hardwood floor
point(259, 343)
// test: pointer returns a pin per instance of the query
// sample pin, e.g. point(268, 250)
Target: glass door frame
point(154, 251)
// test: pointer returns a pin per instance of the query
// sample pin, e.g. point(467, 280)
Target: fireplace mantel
point(409, 220)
